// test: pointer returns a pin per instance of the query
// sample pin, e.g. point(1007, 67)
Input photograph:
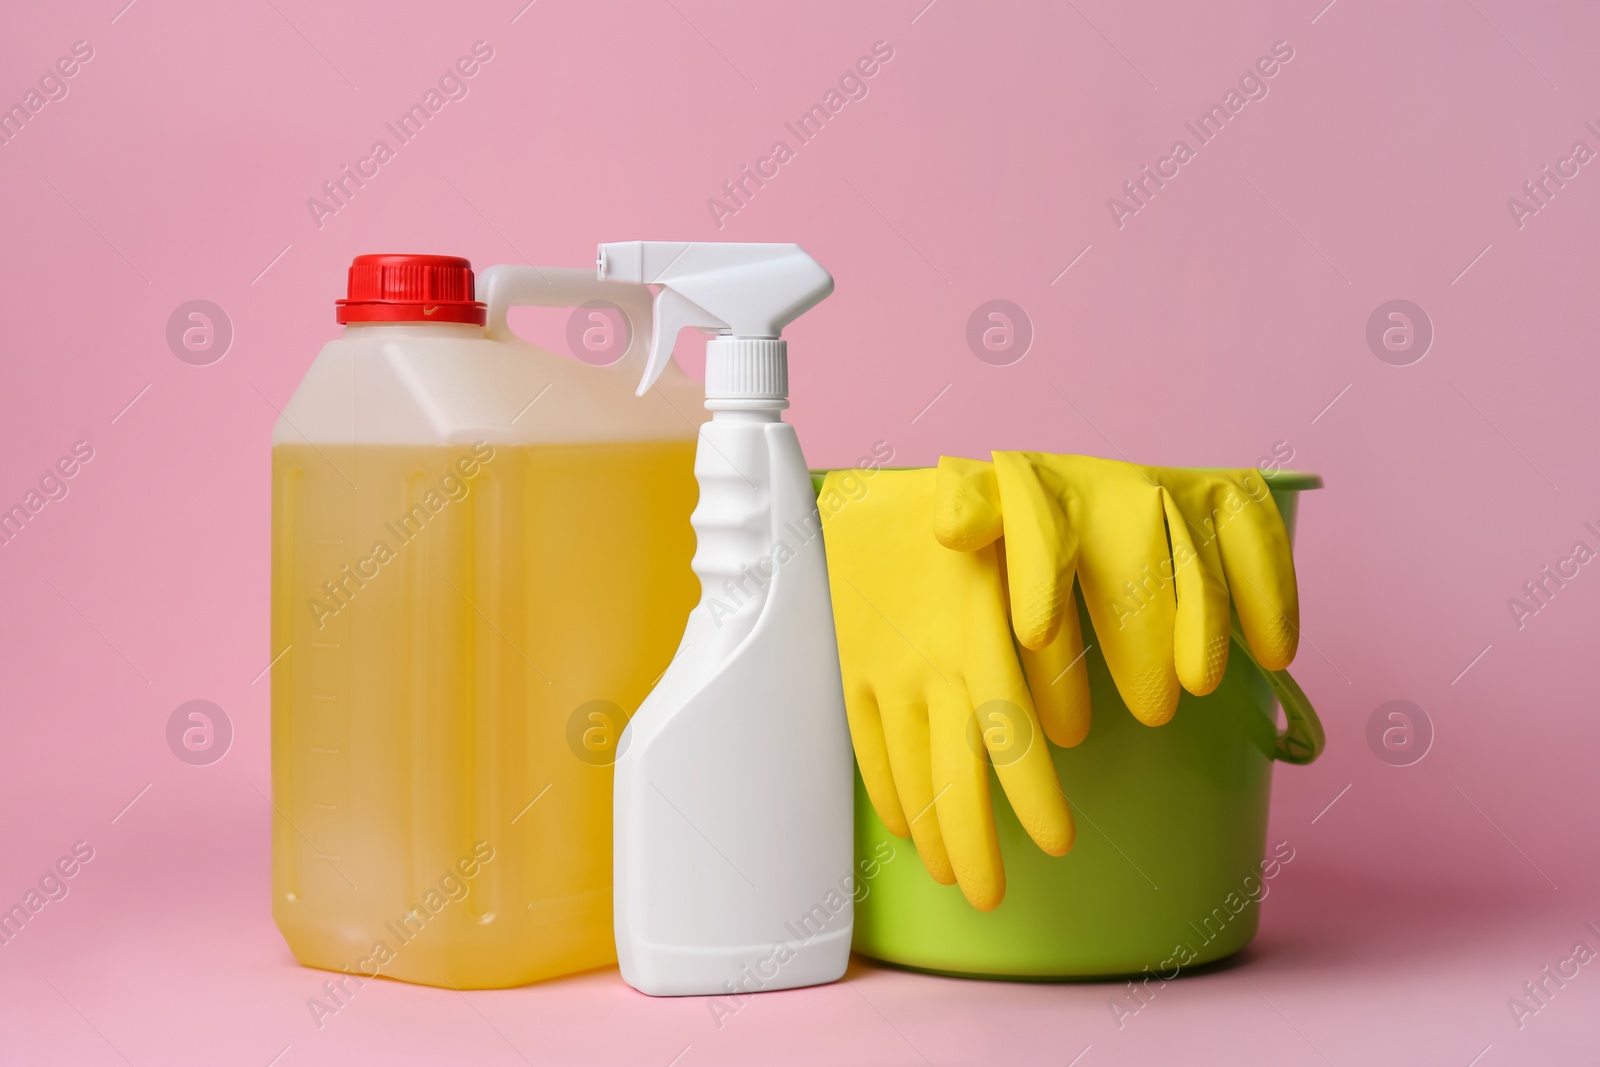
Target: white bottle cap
point(747, 368)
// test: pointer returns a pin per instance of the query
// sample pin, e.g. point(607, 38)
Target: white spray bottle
point(733, 800)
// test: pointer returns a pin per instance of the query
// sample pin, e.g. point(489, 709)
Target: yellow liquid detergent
point(462, 639)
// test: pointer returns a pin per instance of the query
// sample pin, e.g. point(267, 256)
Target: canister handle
point(505, 286)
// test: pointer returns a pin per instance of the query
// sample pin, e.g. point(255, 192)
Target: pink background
point(1221, 319)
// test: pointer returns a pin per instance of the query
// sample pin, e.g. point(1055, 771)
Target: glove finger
point(905, 729)
point(1259, 564)
point(961, 791)
point(1005, 728)
point(1058, 678)
point(1017, 749)
point(1201, 630)
point(1041, 550)
point(966, 507)
point(872, 756)
point(1131, 602)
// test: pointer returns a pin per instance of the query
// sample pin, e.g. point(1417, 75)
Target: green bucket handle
point(1303, 738)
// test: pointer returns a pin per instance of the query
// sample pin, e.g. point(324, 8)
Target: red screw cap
point(405, 288)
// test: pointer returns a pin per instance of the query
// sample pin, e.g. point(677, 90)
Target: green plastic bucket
point(1171, 858)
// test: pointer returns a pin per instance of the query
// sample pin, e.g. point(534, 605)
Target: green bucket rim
point(1297, 481)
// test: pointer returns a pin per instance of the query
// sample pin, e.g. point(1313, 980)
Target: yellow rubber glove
point(932, 683)
point(966, 518)
point(1243, 548)
point(1155, 552)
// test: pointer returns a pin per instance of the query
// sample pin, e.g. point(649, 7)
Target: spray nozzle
point(746, 291)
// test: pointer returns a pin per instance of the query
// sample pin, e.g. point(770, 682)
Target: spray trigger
point(749, 291)
point(673, 311)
